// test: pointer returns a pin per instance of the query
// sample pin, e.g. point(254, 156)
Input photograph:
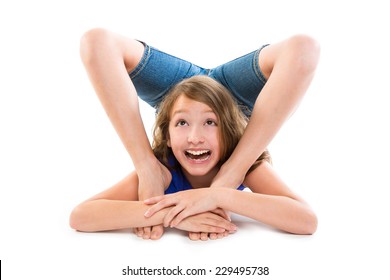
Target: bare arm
point(114, 208)
point(275, 203)
point(270, 202)
point(118, 208)
point(104, 214)
point(280, 212)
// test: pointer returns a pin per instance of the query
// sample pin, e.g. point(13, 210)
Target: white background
point(57, 146)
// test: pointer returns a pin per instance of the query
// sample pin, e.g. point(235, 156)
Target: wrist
point(148, 163)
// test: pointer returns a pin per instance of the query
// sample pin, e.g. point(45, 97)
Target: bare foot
point(204, 236)
point(153, 233)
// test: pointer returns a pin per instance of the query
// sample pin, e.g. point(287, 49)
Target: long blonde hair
point(231, 120)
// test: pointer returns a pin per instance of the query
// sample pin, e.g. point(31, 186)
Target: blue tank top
point(180, 183)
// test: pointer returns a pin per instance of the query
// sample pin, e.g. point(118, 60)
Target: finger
point(166, 202)
point(180, 216)
point(221, 212)
point(219, 221)
point(171, 215)
point(154, 200)
point(222, 223)
point(218, 226)
point(209, 229)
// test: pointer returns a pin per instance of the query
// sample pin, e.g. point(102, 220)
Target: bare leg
point(289, 67)
point(108, 58)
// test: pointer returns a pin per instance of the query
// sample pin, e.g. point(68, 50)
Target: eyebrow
point(186, 111)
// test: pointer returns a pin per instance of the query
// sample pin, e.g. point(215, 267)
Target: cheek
point(174, 141)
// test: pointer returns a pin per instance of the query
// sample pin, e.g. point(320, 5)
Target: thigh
point(158, 71)
point(243, 78)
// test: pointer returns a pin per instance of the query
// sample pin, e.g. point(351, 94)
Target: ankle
point(233, 168)
point(147, 164)
point(153, 167)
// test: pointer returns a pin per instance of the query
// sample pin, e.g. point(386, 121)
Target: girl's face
point(194, 137)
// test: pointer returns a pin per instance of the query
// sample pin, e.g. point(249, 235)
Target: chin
point(199, 172)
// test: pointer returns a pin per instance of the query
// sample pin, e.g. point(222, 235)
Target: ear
point(168, 141)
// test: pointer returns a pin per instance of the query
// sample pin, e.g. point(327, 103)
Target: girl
point(281, 72)
point(198, 126)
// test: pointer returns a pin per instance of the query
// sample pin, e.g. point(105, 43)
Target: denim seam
point(142, 63)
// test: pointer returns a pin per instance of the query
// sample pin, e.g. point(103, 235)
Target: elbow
point(77, 220)
point(309, 224)
point(304, 222)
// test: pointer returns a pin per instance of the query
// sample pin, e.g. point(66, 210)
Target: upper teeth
point(197, 153)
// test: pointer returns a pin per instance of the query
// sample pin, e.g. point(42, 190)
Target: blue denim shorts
point(158, 72)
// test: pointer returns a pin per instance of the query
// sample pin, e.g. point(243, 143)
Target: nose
point(195, 136)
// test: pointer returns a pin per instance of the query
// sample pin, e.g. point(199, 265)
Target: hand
point(186, 203)
point(207, 223)
point(149, 186)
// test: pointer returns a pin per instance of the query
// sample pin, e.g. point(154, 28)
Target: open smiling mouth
point(198, 156)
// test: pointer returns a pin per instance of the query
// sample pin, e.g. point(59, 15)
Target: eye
point(211, 122)
point(181, 123)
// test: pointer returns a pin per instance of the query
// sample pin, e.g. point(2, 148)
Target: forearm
point(103, 214)
point(280, 212)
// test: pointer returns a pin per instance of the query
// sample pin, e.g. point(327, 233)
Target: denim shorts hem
point(142, 63)
point(256, 65)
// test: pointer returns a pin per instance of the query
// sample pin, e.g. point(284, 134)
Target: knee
point(305, 51)
point(93, 42)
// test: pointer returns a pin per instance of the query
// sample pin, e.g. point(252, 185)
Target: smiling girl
point(197, 128)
